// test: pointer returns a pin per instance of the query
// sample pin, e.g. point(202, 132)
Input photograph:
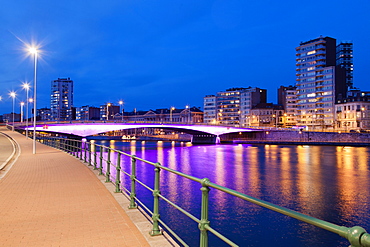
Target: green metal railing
point(87, 152)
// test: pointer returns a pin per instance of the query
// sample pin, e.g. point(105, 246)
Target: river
point(331, 183)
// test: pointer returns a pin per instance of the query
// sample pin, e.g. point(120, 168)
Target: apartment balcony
point(320, 62)
point(320, 52)
point(320, 47)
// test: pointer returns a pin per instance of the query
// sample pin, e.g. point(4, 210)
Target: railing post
point(73, 151)
point(89, 152)
point(118, 174)
point(204, 214)
point(133, 182)
point(101, 160)
point(107, 174)
point(95, 163)
point(75, 148)
point(156, 231)
point(80, 149)
point(85, 148)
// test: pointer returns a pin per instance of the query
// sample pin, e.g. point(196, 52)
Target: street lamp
point(22, 104)
point(188, 109)
point(27, 87)
point(171, 109)
point(121, 105)
point(12, 94)
point(362, 118)
point(34, 51)
point(108, 105)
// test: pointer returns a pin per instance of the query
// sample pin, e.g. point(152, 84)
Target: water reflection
point(327, 182)
point(352, 189)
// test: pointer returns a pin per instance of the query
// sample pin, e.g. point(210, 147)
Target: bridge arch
point(200, 133)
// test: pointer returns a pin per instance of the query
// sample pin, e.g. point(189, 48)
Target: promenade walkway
point(53, 199)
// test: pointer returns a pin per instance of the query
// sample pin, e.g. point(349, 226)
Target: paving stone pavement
point(52, 199)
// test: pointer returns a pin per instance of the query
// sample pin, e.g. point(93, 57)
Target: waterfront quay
point(206, 195)
point(52, 199)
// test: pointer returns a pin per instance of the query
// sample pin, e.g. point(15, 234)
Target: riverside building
point(85, 113)
point(61, 99)
point(267, 115)
point(353, 112)
point(345, 60)
point(232, 107)
point(287, 97)
point(209, 103)
point(320, 82)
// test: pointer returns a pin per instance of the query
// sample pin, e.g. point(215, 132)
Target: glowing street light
point(121, 105)
point(12, 94)
point(34, 51)
point(188, 109)
point(26, 86)
point(171, 109)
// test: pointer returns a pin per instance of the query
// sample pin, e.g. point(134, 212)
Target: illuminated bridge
point(200, 133)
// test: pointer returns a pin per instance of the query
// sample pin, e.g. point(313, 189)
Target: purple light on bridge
point(88, 129)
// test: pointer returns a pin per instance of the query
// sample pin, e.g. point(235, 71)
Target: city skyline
point(168, 53)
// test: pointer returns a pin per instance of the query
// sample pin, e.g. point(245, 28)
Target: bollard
point(133, 183)
point(118, 174)
point(204, 214)
point(156, 231)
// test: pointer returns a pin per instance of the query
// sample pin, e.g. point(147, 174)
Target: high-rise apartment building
point(320, 82)
point(288, 99)
point(345, 60)
point(61, 99)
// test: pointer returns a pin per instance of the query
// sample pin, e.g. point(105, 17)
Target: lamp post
point(135, 116)
point(188, 109)
point(171, 109)
point(108, 105)
point(121, 105)
point(12, 94)
point(34, 51)
point(27, 87)
point(22, 104)
point(362, 112)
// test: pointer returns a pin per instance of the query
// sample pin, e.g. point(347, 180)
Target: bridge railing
point(91, 153)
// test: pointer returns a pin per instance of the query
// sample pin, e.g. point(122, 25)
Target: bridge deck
point(52, 199)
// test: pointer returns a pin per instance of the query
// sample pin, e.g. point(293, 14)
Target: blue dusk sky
point(163, 53)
